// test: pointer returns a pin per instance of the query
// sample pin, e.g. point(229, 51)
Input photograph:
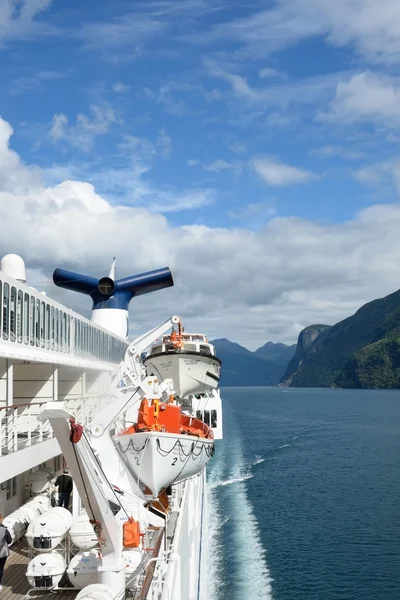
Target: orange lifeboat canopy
point(167, 417)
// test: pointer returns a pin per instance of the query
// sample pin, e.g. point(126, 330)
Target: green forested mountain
point(362, 351)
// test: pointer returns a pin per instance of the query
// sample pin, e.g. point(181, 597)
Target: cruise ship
point(75, 393)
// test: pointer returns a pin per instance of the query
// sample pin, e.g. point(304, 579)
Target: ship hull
point(191, 372)
point(160, 459)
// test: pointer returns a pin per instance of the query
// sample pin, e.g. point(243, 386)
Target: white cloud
point(83, 133)
point(17, 18)
point(238, 83)
point(332, 151)
point(246, 285)
point(268, 73)
point(370, 26)
point(276, 173)
point(121, 87)
point(128, 30)
point(366, 97)
point(216, 166)
point(164, 144)
point(380, 175)
point(31, 82)
point(304, 91)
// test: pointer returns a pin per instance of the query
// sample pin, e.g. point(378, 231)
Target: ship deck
point(15, 583)
point(16, 586)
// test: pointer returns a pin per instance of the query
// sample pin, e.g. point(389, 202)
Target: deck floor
point(15, 582)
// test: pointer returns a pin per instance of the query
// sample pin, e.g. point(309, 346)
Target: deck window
point(156, 349)
point(6, 310)
point(11, 486)
point(60, 332)
point(13, 315)
point(68, 333)
point(214, 421)
point(37, 321)
point(32, 321)
point(20, 315)
point(52, 328)
point(48, 326)
point(205, 349)
point(56, 324)
point(190, 347)
point(206, 417)
point(26, 318)
point(64, 332)
point(42, 324)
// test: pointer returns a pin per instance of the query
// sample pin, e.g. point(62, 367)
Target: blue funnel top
point(107, 293)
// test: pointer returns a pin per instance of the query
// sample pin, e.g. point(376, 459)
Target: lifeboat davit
point(188, 359)
point(165, 446)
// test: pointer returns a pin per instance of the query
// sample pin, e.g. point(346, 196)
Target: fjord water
point(304, 496)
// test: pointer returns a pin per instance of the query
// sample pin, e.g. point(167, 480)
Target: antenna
point(112, 270)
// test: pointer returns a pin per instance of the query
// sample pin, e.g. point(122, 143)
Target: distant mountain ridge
point(241, 367)
point(362, 351)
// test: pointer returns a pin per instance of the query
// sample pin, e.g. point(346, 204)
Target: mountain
point(306, 337)
point(362, 351)
point(279, 353)
point(241, 367)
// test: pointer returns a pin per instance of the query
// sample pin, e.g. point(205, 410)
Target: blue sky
point(241, 118)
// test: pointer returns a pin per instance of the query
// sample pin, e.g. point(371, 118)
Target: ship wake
point(238, 566)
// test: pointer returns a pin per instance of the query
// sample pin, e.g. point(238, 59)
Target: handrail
point(150, 569)
point(20, 427)
point(44, 402)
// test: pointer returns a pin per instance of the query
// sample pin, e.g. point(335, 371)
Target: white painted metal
point(191, 373)
point(46, 565)
point(115, 320)
point(20, 429)
point(51, 526)
point(35, 349)
point(13, 266)
point(208, 408)
point(83, 569)
point(82, 533)
point(159, 459)
point(96, 591)
point(18, 521)
point(92, 486)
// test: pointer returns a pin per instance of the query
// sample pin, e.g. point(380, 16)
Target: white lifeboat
point(49, 530)
point(164, 446)
point(188, 358)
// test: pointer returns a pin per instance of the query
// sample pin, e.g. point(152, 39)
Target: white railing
point(20, 427)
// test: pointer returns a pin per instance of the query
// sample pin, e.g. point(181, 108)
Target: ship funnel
point(111, 297)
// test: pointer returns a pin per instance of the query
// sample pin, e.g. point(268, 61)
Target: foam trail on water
point(237, 479)
point(254, 581)
point(215, 523)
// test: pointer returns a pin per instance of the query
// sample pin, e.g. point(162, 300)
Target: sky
point(250, 146)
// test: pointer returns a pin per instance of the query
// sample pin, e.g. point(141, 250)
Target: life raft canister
point(131, 531)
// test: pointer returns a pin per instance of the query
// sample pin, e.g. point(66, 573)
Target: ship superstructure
point(79, 393)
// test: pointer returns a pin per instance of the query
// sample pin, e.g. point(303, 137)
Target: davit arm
point(85, 473)
point(131, 367)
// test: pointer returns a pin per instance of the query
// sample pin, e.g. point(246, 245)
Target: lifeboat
point(188, 358)
point(164, 446)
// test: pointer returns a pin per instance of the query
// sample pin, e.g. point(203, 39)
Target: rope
point(130, 445)
point(207, 449)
